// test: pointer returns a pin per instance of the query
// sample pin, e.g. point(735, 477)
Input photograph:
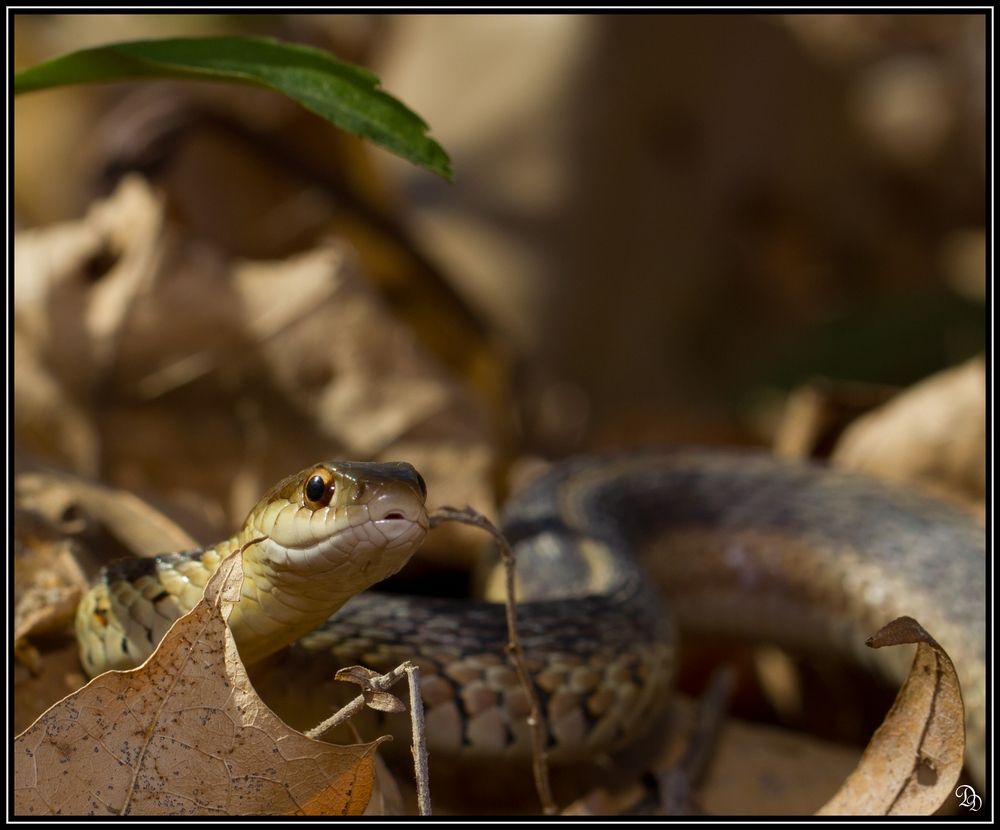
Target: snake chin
point(373, 549)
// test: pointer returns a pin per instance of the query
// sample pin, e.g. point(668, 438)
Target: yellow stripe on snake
point(742, 544)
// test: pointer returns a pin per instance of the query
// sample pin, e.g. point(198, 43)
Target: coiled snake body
point(745, 544)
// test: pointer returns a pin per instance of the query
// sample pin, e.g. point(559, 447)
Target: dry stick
point(419, 748)
point(372, 682)
point(677, 783)
point(536, 721)
point(380, 683)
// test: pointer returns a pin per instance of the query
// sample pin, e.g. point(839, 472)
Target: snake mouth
point(395, 526)
point(397, 506)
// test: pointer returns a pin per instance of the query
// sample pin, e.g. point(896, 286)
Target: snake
point(614, 553)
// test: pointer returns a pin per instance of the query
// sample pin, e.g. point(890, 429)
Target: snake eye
point(423, 485)
point(318, 491)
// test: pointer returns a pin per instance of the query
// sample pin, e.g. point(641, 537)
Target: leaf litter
point(184, 734)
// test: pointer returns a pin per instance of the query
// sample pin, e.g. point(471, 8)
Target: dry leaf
point(916, 756)
point(933, 434)
point(183, 734)
point(602, 802)
point(45, 416)
point(132, 331)
point(387, 799)
point(74, 283)
point(48, 582)
point(764, 770)
point(352, 357)
point(816, 413)
point(365, 381)
point(377, 699)
point(35, 688)
point(140, 529)
point(755, 770)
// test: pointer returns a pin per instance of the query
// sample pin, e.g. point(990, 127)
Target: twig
point(378, 683)
point(536, 721)
point(419, 747)
point(677, 783)
point(376, 696)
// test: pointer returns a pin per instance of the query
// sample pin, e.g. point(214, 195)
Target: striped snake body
point(745, 544)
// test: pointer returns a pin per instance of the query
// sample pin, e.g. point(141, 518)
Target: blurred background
point(659, 228)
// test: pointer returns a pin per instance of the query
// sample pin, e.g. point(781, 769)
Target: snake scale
point(743, 544)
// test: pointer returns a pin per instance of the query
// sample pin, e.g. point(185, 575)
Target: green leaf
point(344, 94)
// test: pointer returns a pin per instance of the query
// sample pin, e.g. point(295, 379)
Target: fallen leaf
point(916, 756)
point(184, 734)
point(387, 799)
point(47, 419)
point(603, 802)
point(75, 283)
point(48, 582)
point(140, 529)
point(352, 357)
point(56, 674)
point(131, 331)
point(763, 770)
point(377, 699)
point(933, 434)
point(816, 413)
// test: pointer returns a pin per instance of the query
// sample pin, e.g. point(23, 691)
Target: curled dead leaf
point(48, 582)
point(817, 412)
point(184, 733)
point(375, 698)
point(933, 434)
point(73, 502)
point(913, 761)
point(76, 283)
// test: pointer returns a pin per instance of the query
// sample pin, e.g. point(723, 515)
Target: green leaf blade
point(346, 95)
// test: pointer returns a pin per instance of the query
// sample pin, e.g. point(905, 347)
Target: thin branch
point(536, 720)
point(378, 683)
point(376, 696)
point(677, 783)
point(419, 747)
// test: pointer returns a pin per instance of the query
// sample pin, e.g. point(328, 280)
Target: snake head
point(318, 538)
point(353, 523)
point(344, 507)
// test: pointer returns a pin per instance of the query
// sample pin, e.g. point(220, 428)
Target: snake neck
point(280, 601)
point(289, 591)
point(135, 601)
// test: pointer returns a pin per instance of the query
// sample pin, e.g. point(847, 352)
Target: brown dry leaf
point(75, 283)
point(140, 529)
point(816, 413)
point(352, 358)
point(138, 332)
point(763, 770)
point(933, 434)
point(65, 528)
point(46, 417)
point(377, 699)
point(602, 802)
point(48, 582)
point(387, 799)
point(338, 356)
point(55, 674)
point(916, 756)
point(755, 770)
point(184, 734)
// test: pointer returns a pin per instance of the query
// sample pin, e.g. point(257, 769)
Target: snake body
point(745, 544)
